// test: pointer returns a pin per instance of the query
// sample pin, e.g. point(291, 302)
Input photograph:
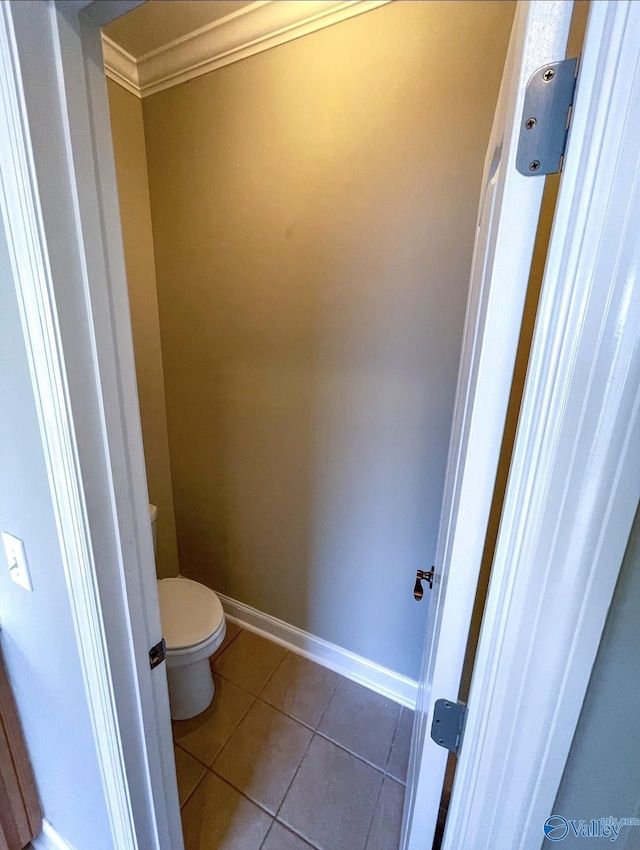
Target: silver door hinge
point(447, 723)
point(546, 114)
point(157, 654)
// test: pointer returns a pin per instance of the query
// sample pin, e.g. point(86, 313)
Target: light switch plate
point(17, 560)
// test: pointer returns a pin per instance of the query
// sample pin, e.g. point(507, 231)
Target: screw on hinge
point(548, 75)
point(535, 165)
point(530, 123)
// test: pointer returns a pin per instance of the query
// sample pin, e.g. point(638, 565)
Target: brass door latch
point(418, 591)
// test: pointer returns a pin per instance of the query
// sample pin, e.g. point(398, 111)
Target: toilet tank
point(153, 516)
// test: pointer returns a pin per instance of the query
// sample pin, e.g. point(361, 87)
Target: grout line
point(355, 755)
point(393, 740)
point(288, 716)
point(227, 740)
point(273, 672)
point(314, 732)
point(242, 794)
point(382, 770)
point(295, 773)
point(235, 684)
point(298, 835)
point(268, 833)
point(189, 753)
point(373, 814)
point(195, 787)
point(326, 708)
point(293, 778)
point(232, 732)
point(224, 743)
point(217, 655)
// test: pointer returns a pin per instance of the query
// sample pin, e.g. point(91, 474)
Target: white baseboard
point(50, 839)
point(379, 679)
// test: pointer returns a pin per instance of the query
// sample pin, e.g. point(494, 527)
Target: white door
point(507, 222)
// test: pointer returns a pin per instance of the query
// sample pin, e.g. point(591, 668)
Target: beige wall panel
point(133, 190)
point(313, 214)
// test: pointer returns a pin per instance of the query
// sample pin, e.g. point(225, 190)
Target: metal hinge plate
point(157, 654)
point(545, 118)
point(448, 720)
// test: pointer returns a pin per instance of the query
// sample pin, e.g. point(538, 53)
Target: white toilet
point(193, 627)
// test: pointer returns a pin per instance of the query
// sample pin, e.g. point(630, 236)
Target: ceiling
point(159, 22)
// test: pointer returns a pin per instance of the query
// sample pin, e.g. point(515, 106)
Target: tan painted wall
point(133, 189)
point(313, 215)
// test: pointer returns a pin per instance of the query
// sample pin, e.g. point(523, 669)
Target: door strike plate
point(157, 654)
point(448, 720)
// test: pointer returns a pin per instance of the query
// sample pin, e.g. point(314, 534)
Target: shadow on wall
point(313, 227)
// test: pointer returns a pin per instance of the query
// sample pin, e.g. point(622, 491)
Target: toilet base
point(191, 689)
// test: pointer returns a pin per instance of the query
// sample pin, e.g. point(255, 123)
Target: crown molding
point(252, 29)
point(120, 66)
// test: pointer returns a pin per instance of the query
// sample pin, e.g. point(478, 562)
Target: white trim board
point(250, 30)
point(50, 839)
point(574, 481)
point(32, 263)
point(60, 212)
point(380, 679)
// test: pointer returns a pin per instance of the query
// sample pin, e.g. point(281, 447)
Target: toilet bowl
point(193, 626)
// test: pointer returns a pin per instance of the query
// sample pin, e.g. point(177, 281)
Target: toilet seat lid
point(190, 612)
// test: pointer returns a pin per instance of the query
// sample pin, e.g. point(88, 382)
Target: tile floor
point(290, 756)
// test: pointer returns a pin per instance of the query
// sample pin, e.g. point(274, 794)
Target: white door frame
point(60, 209)
point(574, 482)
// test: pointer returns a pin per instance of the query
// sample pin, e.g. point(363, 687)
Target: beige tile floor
point(290, 756)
